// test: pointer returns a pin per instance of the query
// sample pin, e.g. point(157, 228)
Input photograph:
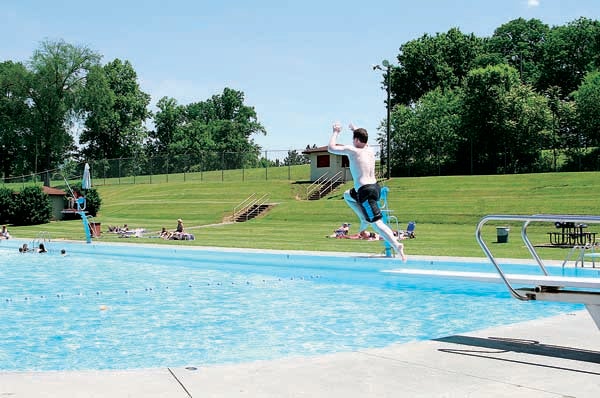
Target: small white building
point(322, 162)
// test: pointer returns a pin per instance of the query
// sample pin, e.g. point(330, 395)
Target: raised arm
point(333, 146)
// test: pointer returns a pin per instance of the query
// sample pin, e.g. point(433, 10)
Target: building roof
point(314, 150)
point(53, 191)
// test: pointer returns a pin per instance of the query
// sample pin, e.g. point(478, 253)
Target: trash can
point(502, 234)
point(95, 229)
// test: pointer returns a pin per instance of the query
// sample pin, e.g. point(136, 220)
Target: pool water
point(124, 307)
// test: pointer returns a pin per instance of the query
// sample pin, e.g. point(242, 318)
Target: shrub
point(7, 205)
point(34, 207)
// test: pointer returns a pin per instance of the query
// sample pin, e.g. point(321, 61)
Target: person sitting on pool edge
point(4, 233)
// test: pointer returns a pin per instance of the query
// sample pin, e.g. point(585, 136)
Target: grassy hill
point(446, 210)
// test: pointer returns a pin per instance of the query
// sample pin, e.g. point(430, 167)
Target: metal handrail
point(315, 185)
point(327, 186)
point(526, 221)
point(247, 204)
point(255, 206)
point(243, 205)
point(321, 185)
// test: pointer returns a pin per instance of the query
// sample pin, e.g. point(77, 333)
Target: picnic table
point(571, 234)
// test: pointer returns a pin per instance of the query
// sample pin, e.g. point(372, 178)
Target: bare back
point(362, 163)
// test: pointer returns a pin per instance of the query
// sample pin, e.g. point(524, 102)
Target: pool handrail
point(526, 221)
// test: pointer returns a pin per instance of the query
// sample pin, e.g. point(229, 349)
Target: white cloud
point(533, 3)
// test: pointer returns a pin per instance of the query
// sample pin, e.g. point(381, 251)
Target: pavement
point(550, 357)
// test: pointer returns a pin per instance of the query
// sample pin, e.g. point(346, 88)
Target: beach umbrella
point(86, 182)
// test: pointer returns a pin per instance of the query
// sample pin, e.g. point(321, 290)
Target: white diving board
point(519, 279)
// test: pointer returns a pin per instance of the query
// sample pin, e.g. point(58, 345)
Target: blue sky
point(301, 64)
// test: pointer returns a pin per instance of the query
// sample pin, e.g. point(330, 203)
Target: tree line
point(63, 106)
point(526, 99)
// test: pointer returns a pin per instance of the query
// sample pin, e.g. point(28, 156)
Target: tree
point(520, 43)
point(14, 118)
point(295, 158)
point(167, 122)
point(218, 131)
point(587, 101)
point(441, 61)
point(507, 124)
point(58, 76)
point(116, 111)
point(570, 52)
point(484, 99)
point(427, 135)
point(527, 121)
point(564, 132)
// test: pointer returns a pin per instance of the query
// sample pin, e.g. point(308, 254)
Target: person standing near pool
point(363, 199)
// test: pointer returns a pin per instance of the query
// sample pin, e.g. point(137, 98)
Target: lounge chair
point(410, 230)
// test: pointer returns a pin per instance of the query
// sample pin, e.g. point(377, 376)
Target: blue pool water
point(124, 307)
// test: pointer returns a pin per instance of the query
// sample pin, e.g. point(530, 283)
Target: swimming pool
point(131, 306)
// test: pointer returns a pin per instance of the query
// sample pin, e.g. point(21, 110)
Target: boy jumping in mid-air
point(364, 197)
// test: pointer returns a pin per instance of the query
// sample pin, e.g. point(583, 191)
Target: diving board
point(546, 287)
point(519, 279)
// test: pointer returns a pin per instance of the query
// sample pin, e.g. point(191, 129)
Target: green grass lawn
point(446, 210)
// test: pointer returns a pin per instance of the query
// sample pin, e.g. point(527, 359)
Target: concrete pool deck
point(550, 357)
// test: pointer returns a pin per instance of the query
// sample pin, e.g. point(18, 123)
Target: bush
point(34, 207)
point(7, 205)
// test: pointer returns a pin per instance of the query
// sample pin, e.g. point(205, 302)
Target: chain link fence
point(207, 166)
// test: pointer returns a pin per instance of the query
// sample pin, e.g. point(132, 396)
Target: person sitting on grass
point(341, 231)
point(165, 234)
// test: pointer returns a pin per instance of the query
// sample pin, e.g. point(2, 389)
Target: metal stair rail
point(249, 206)
point(526, 221)
point(323, 185)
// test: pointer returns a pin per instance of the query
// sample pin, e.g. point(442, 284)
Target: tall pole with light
point(388, 69)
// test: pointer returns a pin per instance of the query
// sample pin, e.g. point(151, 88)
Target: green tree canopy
point(430, 62)
point(59, 71)
point(14, 119)
point(116, 111)
point(587, 100)
point(217, 130)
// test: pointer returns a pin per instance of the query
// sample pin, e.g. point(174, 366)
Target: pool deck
point(550, 357)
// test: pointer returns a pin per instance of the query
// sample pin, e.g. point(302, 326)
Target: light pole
point(386, 64)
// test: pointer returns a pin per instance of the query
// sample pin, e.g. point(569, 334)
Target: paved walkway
point(552, 357)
